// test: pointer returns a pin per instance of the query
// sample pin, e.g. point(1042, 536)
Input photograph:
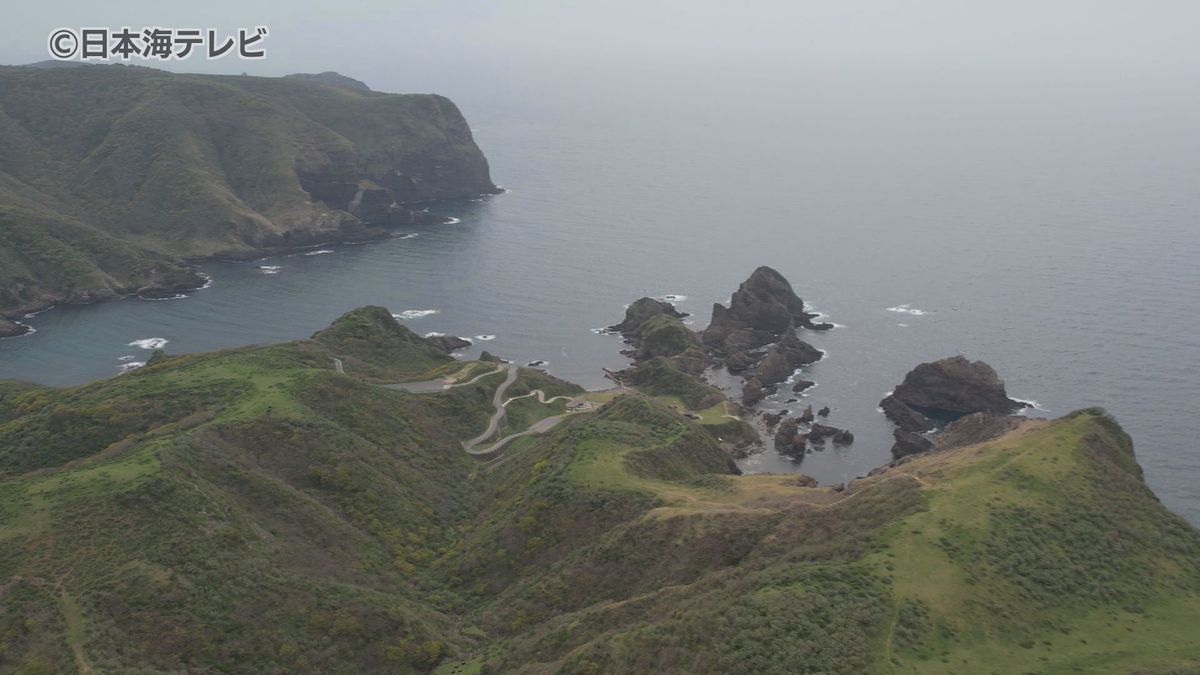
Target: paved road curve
point(430, 386)
point(498, 402)
point(498, 416)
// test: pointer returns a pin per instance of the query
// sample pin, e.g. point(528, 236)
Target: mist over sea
point(1046, 223)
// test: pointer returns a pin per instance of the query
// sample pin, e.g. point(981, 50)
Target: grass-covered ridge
point(251, 510)
point(110, 175)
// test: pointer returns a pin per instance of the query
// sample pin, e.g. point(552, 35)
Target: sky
point(417, 42)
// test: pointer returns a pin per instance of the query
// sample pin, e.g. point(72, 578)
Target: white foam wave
point(175, 296)
point(485, 338)
point(148, 343)
point(321, 251)
point(132, 365)
point(415, 313)
point(269, 269)
point(1030, 404)
point(406, 235)
point(451, 220)
point(671, 297)
point(208, 280)
point(902, 325)
point(907, 309)
point(127, 357)
point(434, 334)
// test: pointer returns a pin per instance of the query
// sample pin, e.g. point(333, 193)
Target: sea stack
point(941, 392)
point(763, 308)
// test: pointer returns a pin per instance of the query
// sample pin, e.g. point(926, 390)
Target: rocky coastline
point(756, 339)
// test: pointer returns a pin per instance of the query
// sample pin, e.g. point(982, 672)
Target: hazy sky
point(386, 39)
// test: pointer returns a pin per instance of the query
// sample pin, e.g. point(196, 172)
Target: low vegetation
point(252, 510)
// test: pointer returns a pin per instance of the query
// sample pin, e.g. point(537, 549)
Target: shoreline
point(370, 234)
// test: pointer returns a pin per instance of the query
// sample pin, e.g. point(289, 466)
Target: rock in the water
point(764, 306)
point(754, 391)
point(819, 432)
point(654, 328)
point(823, 412)
point(903, 416)
point(12, 328)
point(801, 385)
point(448, 343)
point(641, 311)
point(843, 437)
point(807, 415)
point(784, 357)
point(954, 387)
point(771, 419)
point(909, 443)
point(788, 439)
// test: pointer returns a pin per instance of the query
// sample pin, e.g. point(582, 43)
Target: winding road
point(498, 402)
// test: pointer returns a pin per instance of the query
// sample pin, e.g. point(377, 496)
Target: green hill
point(111, 175)
point(252, 511)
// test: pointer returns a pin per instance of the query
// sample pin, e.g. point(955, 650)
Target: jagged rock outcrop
point(754, 391)
point(905, 417)
point(802, 385)
point(448, 343)
point(807, 415)
point(762, 309)
point(819, 432)
point(784, 357)
point(909, 443)
point(788, 439)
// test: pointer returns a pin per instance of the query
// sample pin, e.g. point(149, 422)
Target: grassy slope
point(251, 511)
point(1041, 552)
point(110, 174)
point(246, 507)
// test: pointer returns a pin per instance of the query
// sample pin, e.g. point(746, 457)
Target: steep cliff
point(111, 176)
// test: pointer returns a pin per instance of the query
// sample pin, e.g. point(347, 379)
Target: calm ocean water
point(1048, 225)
